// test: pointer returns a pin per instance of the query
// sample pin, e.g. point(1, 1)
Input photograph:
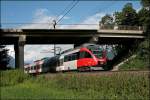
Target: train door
point(70, 62)
point(60, 65)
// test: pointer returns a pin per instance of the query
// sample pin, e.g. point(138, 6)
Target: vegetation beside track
point(142, 60)
point(136, 63)
point(125, 85)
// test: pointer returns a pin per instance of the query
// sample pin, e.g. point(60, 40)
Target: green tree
point(144, 16)
point(107, 20)
point(118, 18)
point(144, 20)
point(127, 16)
point(4, 59)
point(146, 3)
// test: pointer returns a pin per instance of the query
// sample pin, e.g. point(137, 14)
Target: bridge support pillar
point(19, 52)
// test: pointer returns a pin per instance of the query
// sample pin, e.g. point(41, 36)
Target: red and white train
point(83, 58)
point(36, 67)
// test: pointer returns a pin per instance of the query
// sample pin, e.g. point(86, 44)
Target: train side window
point(82, 54)
point(31, 67)
point(73, 57)
point(65, 58)
point(77, 55)
point(69, 58)
point(85, 54)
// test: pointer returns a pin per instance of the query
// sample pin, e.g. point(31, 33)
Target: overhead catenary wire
point(99, 10)
point(59, 15)
point(62, 16)
point(67, 11)
point(64, 9)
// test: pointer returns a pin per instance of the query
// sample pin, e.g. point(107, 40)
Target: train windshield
point(96, 50)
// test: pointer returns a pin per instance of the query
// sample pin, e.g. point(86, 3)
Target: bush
point(12, 77)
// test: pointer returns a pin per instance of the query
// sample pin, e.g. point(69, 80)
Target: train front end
point(99, 54)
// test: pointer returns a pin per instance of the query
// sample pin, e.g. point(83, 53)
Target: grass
point(12, 77)
point(142, 61)
point(136, 63)
point(75, 86)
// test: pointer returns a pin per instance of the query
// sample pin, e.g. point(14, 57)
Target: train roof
point(89, 44)
point(45, 58)
point(68, 51)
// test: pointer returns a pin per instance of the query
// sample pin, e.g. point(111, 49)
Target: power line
point(57, 18)
point(67, 12)
point(65, 9)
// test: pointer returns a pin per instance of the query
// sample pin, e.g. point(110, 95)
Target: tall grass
point(80, 86)
point(12, 77)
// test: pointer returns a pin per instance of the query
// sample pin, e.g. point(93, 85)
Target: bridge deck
point(20, 37)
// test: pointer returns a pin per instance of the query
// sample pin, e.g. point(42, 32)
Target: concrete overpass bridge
point(20, 37)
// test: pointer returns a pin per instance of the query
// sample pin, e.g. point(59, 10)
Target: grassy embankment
point(142, 60)
point(16, 85)
point(136, 63)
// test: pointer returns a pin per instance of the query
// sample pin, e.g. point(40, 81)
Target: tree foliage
point(118, 18)
point(127, 16)
point(144, 17)
point(145, 3)
point(107, 20)
point(4, 59)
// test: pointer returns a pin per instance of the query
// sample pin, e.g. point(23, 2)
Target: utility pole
point(54, 24)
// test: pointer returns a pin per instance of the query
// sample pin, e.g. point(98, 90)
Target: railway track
point(101, 72)
point(126, 71)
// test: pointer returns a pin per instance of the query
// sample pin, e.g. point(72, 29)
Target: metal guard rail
point(121, 27)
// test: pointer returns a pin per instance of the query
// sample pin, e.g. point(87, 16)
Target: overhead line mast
point(55, 22)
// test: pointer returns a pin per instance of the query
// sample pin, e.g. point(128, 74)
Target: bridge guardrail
point(19, 26)
point(121, 27)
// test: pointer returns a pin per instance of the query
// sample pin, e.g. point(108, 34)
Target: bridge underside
point(77, 37)
point(19, 45)
point(66, 40)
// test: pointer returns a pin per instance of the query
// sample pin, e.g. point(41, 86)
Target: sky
point(26, 14)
